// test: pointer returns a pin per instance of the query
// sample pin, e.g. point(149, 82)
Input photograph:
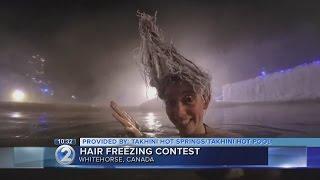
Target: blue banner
point(167, 153)
point(170, 156)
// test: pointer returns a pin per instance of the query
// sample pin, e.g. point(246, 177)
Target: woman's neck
point(199, 131)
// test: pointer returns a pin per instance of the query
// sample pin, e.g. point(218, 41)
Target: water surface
point(32, 125)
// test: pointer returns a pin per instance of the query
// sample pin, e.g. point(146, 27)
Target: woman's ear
point(206, 102)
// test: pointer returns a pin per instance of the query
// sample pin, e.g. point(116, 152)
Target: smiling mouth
point(185, 122)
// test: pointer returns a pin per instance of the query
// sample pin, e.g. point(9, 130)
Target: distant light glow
point(264, 74)
point(15, 115)
point(18, 95)
point(151, 92)
point(73, 97)
point(45, 90)
point(317, 62)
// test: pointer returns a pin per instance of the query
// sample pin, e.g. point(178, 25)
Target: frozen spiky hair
point(162, 63)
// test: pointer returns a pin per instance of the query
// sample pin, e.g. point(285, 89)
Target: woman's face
point(185, 108)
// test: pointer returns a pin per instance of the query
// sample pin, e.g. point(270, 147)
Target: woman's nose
point(180, 110)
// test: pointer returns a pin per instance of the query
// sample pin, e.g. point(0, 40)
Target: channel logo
point(65, 154)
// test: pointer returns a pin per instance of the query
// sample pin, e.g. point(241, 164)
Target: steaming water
point(32, 125)
point(269, 120)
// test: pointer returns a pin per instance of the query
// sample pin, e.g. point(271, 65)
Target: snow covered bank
point(299, 83)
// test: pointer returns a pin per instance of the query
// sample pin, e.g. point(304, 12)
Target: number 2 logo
point(65, 154)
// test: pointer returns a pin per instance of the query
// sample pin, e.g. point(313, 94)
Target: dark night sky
point(90, 44)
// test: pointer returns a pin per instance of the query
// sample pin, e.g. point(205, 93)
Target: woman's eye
point(188, 99)
point(169, 103)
